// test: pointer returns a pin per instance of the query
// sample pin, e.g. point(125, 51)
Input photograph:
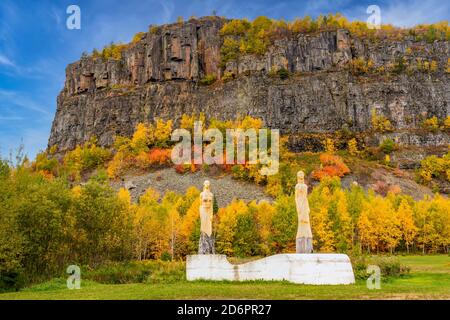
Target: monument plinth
point(316, 268)
point(301, 267)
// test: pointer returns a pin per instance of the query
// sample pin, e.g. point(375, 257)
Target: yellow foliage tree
point(323, 236)
point(344, 225)
point(162, 132)
point(124, 196)
point(366, 233)
point(379, 223)
point(226, 226)
point(406, 221)
point(142, 138)
point(380, 123)
point(264, 213)
point(352, 147)
point(329, 146)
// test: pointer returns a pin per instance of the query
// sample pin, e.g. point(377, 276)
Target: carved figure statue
point(303, 242)
point(206, 243)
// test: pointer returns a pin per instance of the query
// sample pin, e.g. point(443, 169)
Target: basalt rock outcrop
point(159, 75)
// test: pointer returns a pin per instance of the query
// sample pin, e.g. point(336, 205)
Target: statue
point(206, 243)
point(303, 242)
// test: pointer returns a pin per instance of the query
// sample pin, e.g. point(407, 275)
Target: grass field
point(429, 279)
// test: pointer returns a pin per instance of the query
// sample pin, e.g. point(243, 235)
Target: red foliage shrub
point(159, 156)
point(179, 168)
point(332, 166)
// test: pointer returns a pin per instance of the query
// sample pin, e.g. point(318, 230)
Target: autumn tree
point(264, 213)
point(406, 221)
point(227, 226)
point(284, 225)
point(342, 222)
point(246, 237)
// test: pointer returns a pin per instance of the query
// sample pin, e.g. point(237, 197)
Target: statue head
point(300, 177)
point(206, 185)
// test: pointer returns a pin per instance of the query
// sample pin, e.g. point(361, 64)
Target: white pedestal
point(320, 268)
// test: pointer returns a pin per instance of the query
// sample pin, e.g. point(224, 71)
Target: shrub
point(208, 79)
point(434, 167)
point(165, 256)
point(147, 147)
point(229, 51)
point(329, 146)
point(433, 66)
point(147, 271)
point(138, 37)
point(332, 166)
point(159, 156)
point(238, 171)
point(45, 163)
point(380, 123)
point(236, 27)
point(244, 37)
point(359, 66)
point(352, 147)
point(400, 65)
point(113, 51)
point(387, 160)
point(387, 145)
point(88, 156)
point(283, 73)
point(256, 36)
point(143, 160)
point(162, 133)
point(447, 123)
point(154, 29)
point(390, 267)
point(431, 124)
point(181, 168)
point(228, 76)
point(5, 170)
point(142, 138)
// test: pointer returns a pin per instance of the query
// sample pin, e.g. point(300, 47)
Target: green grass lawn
point(429, 279)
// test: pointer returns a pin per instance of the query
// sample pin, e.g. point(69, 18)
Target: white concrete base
point(320, 268)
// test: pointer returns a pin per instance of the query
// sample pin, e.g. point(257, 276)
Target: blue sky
point(36, 46)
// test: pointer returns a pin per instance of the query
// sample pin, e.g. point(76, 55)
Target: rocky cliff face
point(159, 77)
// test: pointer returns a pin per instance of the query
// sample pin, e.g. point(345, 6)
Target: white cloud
point(414, 12)
point(10, 118)
point(4, 60)
point(168, 9)
point(405, 13)
point(18, 99)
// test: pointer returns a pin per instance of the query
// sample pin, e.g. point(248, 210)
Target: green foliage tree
point(246, 237)
point(104, 227)
point(387, 145)
point(284, 226)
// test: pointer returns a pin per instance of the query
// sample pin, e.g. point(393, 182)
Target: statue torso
point(206, 212)
point(301, 201)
